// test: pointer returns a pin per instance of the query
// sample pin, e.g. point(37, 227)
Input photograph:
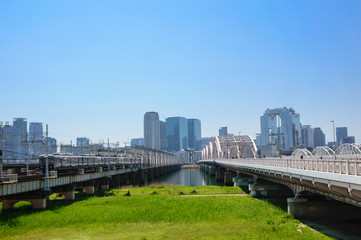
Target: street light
point(334, 135)
point(239, 143)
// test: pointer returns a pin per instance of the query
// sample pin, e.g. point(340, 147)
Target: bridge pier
point(150, 174)
point(242, 181)
point(228, 178)
point(36, 198)
point(219, 174)
point(212, 170)
point(88, 187)
point(68, 191)
point(261, 189)
point(104, 182)
point(321, 208)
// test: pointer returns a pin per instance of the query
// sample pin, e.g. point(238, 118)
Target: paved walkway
point(216, 195)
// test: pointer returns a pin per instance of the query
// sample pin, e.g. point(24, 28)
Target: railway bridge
point(65, 173)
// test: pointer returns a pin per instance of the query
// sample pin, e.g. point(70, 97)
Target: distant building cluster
point(173, 135)
point(282, 131)
point(18, 143)
point(82, 147)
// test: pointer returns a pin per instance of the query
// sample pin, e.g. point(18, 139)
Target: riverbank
point(190, 166)
point(156, 212)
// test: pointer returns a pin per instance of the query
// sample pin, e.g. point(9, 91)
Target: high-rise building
point(319, 138)
point(281, 126)
point(194, 134)
point(341, 132)
point(82, 142)
point(223, 131)
point(163, 135)
point(177, 134)
point(151, 130)
point(137, 142)
point(52, 147)
point(21, 135)
point(205, 141)
point(307, 136)
point(36, 139)
point(348, 139)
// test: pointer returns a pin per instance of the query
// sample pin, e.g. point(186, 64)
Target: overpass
point(333, 174)
point(65, 173)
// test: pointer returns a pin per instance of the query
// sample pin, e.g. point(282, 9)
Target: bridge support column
point(228, 177)
point(88, 187)
point(132, 179)
point(242, 181)
point(36, 198)
point(212, 170)
point(150, 174)
point(67, 190)
point(268, 189)
point(321, 208)
point(89, 190)
point(219, 174)
point(141, 177)
point(104, 183)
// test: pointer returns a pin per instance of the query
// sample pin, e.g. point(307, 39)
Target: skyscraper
point(319, 138)
point(36, 135)
point(82, 142)
point(163, 135)
point(194, 134)
point(21, 137)
point(136, 142)
point(223, 131)
point(341, 132)
point(177, 134)
point(307, 136)
point(281, 126)
point(151, 130)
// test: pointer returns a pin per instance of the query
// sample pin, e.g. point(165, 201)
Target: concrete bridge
point(66, 173)
point(332, 174)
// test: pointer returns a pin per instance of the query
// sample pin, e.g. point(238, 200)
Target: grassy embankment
point(156, 212)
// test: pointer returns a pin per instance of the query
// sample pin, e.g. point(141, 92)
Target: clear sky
point(93, 68)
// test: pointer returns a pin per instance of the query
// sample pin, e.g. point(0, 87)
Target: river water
point(188, 177)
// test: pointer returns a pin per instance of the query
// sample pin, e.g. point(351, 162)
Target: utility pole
point(1, 154)
point(334, 135)
point(108, 159)
point(47, 185)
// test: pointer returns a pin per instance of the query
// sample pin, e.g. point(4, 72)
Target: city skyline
point(93, 69)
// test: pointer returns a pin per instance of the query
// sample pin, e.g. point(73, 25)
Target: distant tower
point(307, 136)
point(177, 134)
point(341, 132)
point(223, 131)
point(319, 137)
point(36, 139)
point(281, 126)
point(151, 130)
point(194, 134)
point(163, 135)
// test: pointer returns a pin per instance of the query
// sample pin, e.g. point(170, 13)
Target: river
point(189, 176)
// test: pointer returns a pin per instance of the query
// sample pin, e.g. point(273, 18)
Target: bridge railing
point(350, 165)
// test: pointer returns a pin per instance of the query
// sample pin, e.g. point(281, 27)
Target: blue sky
point(93, 68)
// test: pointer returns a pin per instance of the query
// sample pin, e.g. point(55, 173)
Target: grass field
point(156, 212)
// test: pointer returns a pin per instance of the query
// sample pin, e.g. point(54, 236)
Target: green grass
point(161, 215)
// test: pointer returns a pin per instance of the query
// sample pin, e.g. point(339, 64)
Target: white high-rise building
point(151, 130)
point(282, 127)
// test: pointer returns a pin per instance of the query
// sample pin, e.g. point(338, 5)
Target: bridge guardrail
point(349, 165)
point(9, 178)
